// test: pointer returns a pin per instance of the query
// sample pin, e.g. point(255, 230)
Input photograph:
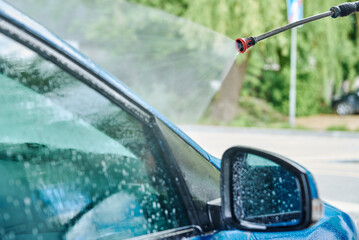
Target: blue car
point(82, 157)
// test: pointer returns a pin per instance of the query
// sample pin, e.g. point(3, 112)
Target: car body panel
point(326, 228)
point(229, 234)
point(334, 225)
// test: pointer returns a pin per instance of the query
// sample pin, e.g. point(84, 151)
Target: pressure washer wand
point(342, 10)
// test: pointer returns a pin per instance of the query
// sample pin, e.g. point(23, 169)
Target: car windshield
point(170, 62)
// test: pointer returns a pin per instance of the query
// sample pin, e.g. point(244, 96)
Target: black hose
point(292, 25)
point(342, 10)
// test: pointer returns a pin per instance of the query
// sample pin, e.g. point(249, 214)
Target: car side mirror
point(266, 192)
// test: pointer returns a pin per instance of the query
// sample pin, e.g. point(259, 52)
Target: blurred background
point(179, 56)
point(327, 65)
point(180, 48)
point(327, 55)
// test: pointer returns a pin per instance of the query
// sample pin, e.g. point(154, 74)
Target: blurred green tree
point(327, 52)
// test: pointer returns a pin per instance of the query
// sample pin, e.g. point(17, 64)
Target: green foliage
point(327, 52)
point(338, 128)
point(256, 112)
point(175, 7)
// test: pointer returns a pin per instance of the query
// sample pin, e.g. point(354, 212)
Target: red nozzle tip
point(243, 44)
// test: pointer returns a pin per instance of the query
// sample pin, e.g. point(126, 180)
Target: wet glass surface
point(201, 177)
point(72, 164)
point(264, 192)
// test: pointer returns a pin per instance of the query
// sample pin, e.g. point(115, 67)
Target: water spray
point(342, 10)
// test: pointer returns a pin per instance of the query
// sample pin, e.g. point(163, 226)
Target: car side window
point(200, 176)
point(72, 164)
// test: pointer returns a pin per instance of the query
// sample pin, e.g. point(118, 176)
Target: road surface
point(332, 157)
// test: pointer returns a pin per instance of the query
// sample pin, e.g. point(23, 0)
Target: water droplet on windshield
point(35, 231)
point(27, 201)
point(6, 216)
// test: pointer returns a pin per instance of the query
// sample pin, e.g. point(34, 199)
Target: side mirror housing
point(261, 191)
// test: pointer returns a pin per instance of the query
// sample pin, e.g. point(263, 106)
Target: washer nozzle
point(243, 44)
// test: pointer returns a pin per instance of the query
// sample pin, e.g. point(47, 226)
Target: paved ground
point(332, 157)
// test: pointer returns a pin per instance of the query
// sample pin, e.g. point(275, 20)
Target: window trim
point(74, 68)
point(99, 84)
point(187, 231)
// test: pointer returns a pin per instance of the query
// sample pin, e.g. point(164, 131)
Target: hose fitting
point(243, 44)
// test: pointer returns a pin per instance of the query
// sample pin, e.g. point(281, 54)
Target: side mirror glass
point(263, 191)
